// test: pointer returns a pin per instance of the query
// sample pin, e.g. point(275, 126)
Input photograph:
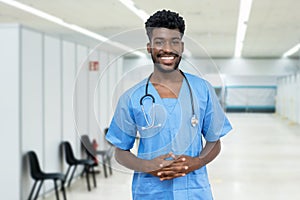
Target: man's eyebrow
point(162, 38)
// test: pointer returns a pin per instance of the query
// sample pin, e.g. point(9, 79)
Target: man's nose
point(167, 47)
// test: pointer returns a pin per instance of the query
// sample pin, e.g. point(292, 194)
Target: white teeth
point(167, 58)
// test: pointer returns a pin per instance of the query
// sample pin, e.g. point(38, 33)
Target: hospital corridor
point(258, 161)
point(138, 100)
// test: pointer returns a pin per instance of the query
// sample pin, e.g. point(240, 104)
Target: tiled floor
point(260, 160)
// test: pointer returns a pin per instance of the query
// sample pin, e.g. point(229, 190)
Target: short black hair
point(164, 19)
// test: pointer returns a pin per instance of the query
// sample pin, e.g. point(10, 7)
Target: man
point(171, 111)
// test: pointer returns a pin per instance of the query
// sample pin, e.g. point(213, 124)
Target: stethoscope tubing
point(153, 99)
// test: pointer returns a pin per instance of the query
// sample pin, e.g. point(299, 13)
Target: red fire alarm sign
point(94, 66)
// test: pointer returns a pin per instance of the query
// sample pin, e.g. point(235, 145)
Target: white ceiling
point(273, 26)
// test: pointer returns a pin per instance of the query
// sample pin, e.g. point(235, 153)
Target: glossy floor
point(260, 160)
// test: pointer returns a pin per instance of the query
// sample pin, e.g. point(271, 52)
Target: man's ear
point(149, 49)
point(182, 47)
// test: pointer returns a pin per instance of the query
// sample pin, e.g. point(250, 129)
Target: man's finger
point(172, 177)
point(166, 163)
point(179, 168)
point(168, 155)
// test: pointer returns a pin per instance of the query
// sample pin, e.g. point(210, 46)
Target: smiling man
point(171, 111)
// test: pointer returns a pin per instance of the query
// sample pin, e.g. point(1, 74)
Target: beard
point(160, 67)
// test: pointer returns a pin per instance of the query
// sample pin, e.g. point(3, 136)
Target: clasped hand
point(170, 166)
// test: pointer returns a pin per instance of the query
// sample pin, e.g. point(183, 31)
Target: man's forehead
point(166, 33)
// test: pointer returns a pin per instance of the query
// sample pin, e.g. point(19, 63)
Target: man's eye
point(176, 42)
point(159, 43)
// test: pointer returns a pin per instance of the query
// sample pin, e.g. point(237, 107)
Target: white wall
point(257, 67)
point(32, 108)
point(81, 96)
point(68, 77)
point(52, 104)
point(288, 98)
point(10, 112)
point(298, 98)
point(103, 90)
point(93, 104)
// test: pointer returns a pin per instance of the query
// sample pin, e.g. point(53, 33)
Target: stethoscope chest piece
point(194, 121)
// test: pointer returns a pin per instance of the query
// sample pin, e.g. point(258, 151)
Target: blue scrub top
point(171, 131)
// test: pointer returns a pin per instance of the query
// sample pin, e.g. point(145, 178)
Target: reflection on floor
point(259, 160)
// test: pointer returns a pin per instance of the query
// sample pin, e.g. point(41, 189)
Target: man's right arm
point(131, 161)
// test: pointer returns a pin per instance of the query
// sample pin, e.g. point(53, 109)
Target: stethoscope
point(194, 120)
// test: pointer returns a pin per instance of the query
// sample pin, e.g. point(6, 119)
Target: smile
point(168, 58)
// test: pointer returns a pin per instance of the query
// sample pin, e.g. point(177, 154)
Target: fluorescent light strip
point(73, 27)
point(292, 51)
point(244, 13)
point(140, 13)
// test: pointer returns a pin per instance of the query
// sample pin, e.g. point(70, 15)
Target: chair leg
point(87, 177)
point(109, 166)
point(67, 173)
point(56, 191)
point(63, 189)
point(104, 166)
point(32, 190)
point(38, 191)
point(94, 176)
point(69, 183)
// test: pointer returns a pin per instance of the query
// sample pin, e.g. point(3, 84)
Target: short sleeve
point(215, 123)
point(122, 130)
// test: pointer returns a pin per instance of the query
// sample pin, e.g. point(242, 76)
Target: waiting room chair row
point(88, 164)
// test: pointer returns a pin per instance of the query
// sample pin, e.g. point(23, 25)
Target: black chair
point(92, 153)
point(88, 164)
point(39, 176)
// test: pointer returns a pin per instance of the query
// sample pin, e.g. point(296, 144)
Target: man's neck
point(167, 84)
point(166, 77)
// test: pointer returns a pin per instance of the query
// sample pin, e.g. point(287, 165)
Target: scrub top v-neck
point(169, 103)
